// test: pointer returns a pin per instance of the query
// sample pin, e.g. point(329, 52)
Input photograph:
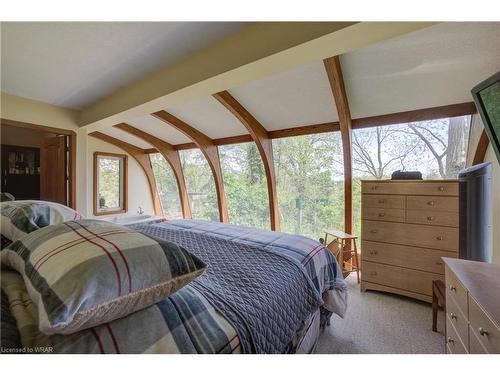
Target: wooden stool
point(438, 300)
point(346, 255)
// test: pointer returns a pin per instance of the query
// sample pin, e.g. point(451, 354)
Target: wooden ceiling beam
point(481, 148)
point(264, 144)
point(273, 134)
point(425, 114)
point(142, 158)
point(171, 156)
point(336, 80)
point(208, 148)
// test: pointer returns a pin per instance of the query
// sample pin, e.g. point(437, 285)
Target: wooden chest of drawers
point(472, 307)
point(407, 227)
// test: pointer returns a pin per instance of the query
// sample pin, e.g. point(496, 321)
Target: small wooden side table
point(346, 255)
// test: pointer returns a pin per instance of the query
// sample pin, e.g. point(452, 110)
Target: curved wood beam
point(264, 144)
point(334, 72)
point(142, 158)
point(481, 148)
point(171, 156)
point(209, 149)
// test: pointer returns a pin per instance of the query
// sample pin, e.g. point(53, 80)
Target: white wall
point(139, 193)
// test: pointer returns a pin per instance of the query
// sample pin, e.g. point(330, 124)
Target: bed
point(262, 292)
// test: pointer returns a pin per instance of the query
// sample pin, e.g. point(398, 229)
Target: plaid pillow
point(21, 217)
point(6, 197)
point(88, 272)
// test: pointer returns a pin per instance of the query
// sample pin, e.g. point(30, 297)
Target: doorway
point(38, 162)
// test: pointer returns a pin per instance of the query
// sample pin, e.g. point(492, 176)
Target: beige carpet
point(378, 322)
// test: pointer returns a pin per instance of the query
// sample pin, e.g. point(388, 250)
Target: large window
point(110, 183)
point(437, 148)
point(245, 185)
point(200, 185)
point(309, 175)
point(167, 187)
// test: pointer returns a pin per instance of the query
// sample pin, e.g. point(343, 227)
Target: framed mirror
point(110, 183)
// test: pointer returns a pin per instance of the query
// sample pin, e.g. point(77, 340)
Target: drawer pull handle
point(439, 238)
point(373, 273)
point(381, 201)
point(382, 214)
point(374, 187)
point(374, 231)
point(453, 316)
point(439, 264)
point(483, 332)
point(441, 188)
point(453, 288)
point(430, 218)
point(450, 340)
point(431, 203)
point(373, 252)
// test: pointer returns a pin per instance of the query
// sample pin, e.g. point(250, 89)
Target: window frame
point(123, 208)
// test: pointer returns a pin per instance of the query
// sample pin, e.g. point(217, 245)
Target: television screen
point(487, 98)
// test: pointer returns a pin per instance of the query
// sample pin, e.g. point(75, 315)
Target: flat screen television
point(487, 98)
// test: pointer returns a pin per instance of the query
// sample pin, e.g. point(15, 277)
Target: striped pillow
point(21, 217)
point(88, 272)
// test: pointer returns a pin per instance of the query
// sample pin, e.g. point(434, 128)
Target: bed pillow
point(88, 272)
point(21, 217)
point(6, 197)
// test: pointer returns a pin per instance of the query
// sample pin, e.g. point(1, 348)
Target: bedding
point(6, 197)
point(318, 262)
point(19, 218)
point(183, 323)
point(88, 272)
point(196, 319)
point(8, 330)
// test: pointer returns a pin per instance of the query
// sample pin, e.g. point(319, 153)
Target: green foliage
point(109, 182)
point(245, 185)
point(200, 185)
point(310, 166)
point(167, 187)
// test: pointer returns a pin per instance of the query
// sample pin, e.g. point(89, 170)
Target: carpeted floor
point(378, 322)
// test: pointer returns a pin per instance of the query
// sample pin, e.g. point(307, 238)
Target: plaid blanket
point(185, 322)
point(318, 262)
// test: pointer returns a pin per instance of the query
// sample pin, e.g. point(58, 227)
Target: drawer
point(458, 320)
point(443, 218)
point(383, 201)
point(456, 291)
point(430, 203)
point(384, 214)
point(483, 327)
point(445, 188)
point(442, 238)
point(475, 346)
point(405, 256)
point(453, 342)
point(399, 277)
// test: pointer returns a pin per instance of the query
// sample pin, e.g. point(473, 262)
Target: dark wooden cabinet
point(21, 171)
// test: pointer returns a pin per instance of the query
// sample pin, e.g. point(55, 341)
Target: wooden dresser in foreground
point(472, 307)
point(407, 227)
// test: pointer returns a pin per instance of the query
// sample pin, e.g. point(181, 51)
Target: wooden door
point(53, 184)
